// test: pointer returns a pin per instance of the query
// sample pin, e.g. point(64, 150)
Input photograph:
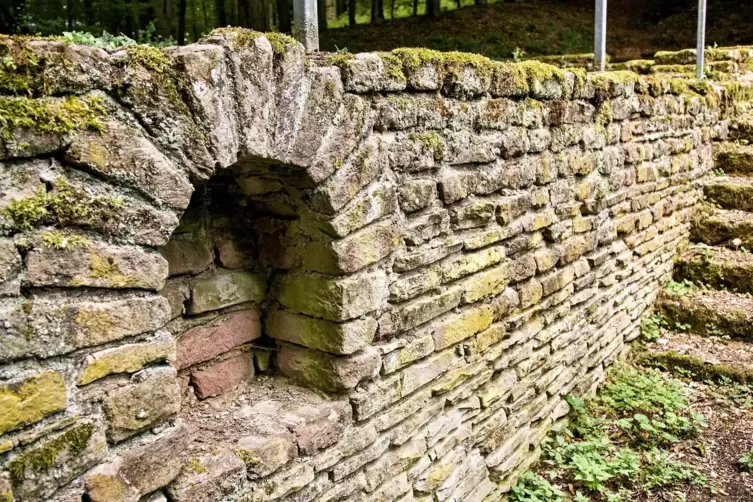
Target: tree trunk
point(321, 14)
point(352, 12)
point(182, 22)
point(69, 14)
point(433, 8)
point(415, 8)
point(392, 10)
point(219, 8)
point(377, 11)
point(257, 15)
point(283, 16)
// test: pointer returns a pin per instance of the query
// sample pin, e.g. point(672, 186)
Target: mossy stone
point(30, 400)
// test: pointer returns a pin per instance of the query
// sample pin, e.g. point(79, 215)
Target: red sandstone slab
point(204, 343)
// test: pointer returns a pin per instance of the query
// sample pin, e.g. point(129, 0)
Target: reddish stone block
point(204, 343)
point(223, 376)
point(233, 252)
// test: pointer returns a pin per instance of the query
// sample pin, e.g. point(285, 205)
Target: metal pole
point(600, 36)
point(701, 38)
point(306, 23)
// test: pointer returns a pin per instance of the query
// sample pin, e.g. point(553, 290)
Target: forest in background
point(498, 28)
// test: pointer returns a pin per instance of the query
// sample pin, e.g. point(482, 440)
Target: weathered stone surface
point(316, 427)
point(331, 298)
point(717, 226)
point(150, 463)
point(205, 342)
point(379, 200)
point(66, 455)
point(188, 254)
point(471, 262)
point(464, 325)
point(709, 311)
point(327, 372)
point(717, 268)
point(30, 399)
point(222, 376)
point(98, 266)
point(730, 193)
point(262, 456)
point(51, 324)
point(225, 289)
point(354, 252)
point(10, 269)
point(153, 398)
point(128, 358)
point(336, 338)
point(121, 152)
point(208, 477)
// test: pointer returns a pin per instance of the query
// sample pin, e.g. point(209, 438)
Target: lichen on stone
point(73, 441)
point(244, 37)
point(62, 240)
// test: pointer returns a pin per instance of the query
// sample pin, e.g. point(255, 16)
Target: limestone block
point(53, 324)
point(370, 72)
point(225, 289)
point(336, 338)
point(205, 342)
point(317, 427)
point(461, 326)
point(40, 469)
point(10, 269)
point(128, 358)
point(208, 476)
point(188, 254)
point(30, 399)
point(416, 194)
point(327, 372)
point(331, 298)
point(152, 398)
point(354, 252)
point(147, 465)
point(96, 265)
point(122, 152)
point(379, 200)
point(264, 455)
point(415, 283)
point(469, 263)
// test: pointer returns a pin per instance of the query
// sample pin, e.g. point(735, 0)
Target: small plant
point(105, 41)
point(679, 288)
point(719, 172)
point(533, 488)
point(746, 461)
point(651, 327)
point(518, 54)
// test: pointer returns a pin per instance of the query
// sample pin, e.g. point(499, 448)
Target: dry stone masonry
point(232, 271)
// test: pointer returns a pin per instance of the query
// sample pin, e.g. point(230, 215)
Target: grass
point(501, 30)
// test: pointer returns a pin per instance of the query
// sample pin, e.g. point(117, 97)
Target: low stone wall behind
point(442, 245)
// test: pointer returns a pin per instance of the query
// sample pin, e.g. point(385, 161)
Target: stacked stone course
point(441, 245)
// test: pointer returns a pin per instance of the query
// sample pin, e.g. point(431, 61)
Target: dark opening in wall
point(221, 259)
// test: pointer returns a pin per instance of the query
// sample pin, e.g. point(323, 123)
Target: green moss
point(162, 70)
point(640, 66)
point(47, 115)
point(393, 67)
point(538, 71)
point(604, 115)
point(61, 240)
point(432, 141)
point(65, 205)
point(73, 441)
point(581, 78)
point(675, 68)
point(456, 61)
point(414, 58)
point(698, 368)
point(244, 37)
point(400, 101)
point(341, 59)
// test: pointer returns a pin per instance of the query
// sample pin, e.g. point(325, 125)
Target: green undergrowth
point(618, 445)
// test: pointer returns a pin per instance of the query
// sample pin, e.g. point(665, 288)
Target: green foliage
point(533, 488)
point(651, 327)
point(679, 288)
point(746, 461)
point(105, 41)
point(617, 444)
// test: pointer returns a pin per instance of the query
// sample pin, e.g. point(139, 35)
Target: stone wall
point(231, 271)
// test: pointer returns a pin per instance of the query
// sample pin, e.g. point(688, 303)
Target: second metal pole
point(306, 23)
point(701, 39)
point(600, 36)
